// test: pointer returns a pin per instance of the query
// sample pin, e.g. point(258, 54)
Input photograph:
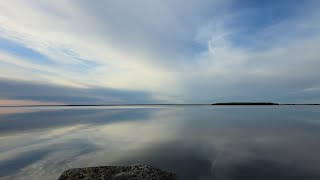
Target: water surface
point(197, 142)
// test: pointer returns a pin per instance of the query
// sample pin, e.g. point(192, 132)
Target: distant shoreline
point(246, 103)
point(260, 104)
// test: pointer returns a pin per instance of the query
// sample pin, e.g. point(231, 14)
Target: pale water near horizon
point(196, 142)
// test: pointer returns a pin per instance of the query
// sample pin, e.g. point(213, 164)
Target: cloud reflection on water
point(196, 142)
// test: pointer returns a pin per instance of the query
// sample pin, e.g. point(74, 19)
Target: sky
point(159, 51)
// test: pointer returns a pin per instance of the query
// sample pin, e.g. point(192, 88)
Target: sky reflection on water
point(197, 142)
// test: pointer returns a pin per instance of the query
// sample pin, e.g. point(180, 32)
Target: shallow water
point(196, 142)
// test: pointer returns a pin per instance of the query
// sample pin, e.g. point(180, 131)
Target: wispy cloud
point(176, 51)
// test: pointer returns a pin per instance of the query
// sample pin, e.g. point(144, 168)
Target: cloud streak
point(21, 92)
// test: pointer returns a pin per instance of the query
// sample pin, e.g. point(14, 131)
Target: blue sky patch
point(23, 51)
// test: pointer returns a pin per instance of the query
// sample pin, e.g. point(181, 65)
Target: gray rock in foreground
point(136, 172)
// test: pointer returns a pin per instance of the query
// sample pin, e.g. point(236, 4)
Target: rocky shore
point(135, 172)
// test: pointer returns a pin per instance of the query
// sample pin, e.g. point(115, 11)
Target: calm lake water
point(196, 142)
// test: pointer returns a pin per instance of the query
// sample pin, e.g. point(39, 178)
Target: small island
point(246, 103)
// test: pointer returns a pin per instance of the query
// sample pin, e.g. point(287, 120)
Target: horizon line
point(157, 104)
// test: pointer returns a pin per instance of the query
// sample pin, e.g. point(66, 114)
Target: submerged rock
point(135, 172)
